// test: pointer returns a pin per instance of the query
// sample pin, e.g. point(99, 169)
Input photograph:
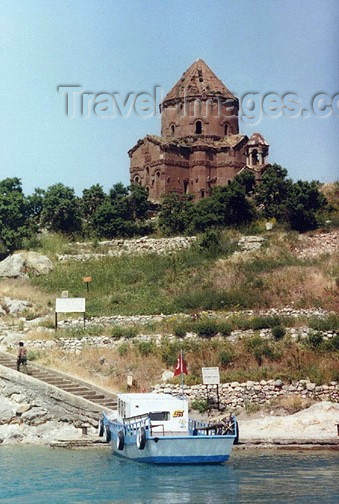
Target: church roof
point(257, 139)
point(198, 80)
point(193, 142)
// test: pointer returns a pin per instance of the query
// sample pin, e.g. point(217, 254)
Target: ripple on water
point(38, 475)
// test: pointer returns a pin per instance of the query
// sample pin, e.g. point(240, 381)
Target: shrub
point(243, 323)
point(169, 353)
point(315, 340)
point(206, 328)
point(123, 349)
point(48, 323)
point(210, 241)
point(225, 357)
point(278, 332)
point(251, 408)
point(260, 348)
point(200, 405)
point(118, 332)
point(335, 342)
point(180, 330)
point(264, 322)
point(225, 328)
point(33, 355)
point(146, 347)
point(329, 323)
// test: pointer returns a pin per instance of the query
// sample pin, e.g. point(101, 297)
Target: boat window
point(160, 415)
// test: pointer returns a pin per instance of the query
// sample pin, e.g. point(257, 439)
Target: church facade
point(200, 146)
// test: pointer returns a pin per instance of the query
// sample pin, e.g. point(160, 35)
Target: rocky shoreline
point(34, 413)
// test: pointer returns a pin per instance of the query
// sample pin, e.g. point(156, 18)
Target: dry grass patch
point(305, 285)
point(43, 335)
point(290, 404)
point(107, 368)
point(23, 289)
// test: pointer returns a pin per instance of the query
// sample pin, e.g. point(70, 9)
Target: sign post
point(211, 376)
point(69, 305)
point(87, 280)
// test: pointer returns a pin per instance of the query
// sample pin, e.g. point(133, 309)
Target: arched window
point(255, 158)
point(198, 128)
point(202, 192)
point(136, 180)
point(172, 129)
point(226, 126)
point(186, 186)
point(157, 174)
point(147, 170)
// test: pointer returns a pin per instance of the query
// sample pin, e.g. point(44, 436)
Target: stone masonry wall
point(234, 395)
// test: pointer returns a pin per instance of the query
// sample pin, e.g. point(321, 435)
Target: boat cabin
point(167, 413)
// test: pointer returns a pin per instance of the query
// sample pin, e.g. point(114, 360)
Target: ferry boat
point(155, 428)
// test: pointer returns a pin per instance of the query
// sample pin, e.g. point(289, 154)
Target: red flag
point(180, 367)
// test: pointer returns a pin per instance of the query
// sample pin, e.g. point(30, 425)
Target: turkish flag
point(180, 367)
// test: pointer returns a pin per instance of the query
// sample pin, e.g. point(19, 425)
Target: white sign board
point(210, 376)
point(70, 305)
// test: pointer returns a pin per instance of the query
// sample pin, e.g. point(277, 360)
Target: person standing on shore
point(22, 357)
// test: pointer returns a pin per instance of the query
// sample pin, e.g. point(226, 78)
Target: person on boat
point(22, 357)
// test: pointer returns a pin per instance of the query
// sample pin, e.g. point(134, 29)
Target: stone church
point(200, 146)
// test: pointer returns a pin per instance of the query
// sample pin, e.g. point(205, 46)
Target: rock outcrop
point(19, 265)
point(30, 415)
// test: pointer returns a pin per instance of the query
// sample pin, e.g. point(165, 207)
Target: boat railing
point(135, 418)
point(222, 427)
point(153, 426)
point(133, 424)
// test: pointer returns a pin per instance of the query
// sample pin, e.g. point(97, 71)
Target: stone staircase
point(64, 382)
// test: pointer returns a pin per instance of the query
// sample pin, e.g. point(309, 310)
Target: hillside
point(258, 306)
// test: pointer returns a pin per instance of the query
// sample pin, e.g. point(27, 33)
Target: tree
point(227, 206)
point(207, 214)
point(118, 191)
point(61, 209)
point(303, 202)
point(294, 203)
point(35, 206)
point(111, 220)
point(122, 213)
point(138, 202)
point(245, 179)
point(236, 208)
point(176, 213)
point(273, 192)
point(91, 199)
point(14, 212)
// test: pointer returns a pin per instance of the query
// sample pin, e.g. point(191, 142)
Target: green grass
point(329, 323)
point(179, 282)
point(127, 285)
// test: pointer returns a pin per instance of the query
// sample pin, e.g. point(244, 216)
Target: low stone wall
point(77, 344)
point(234, 395)
point(128, 320)
point(36, 412)
point(118, 248)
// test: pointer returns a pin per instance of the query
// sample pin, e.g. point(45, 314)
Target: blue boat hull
point(177, 449)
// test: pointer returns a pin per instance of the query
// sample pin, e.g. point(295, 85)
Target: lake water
point(40, 475)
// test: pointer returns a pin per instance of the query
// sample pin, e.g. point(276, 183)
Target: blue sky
point(131, 46)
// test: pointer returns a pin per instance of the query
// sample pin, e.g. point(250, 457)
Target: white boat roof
point(149, 395)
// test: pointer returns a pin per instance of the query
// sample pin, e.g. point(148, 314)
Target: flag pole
point(182, 373)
